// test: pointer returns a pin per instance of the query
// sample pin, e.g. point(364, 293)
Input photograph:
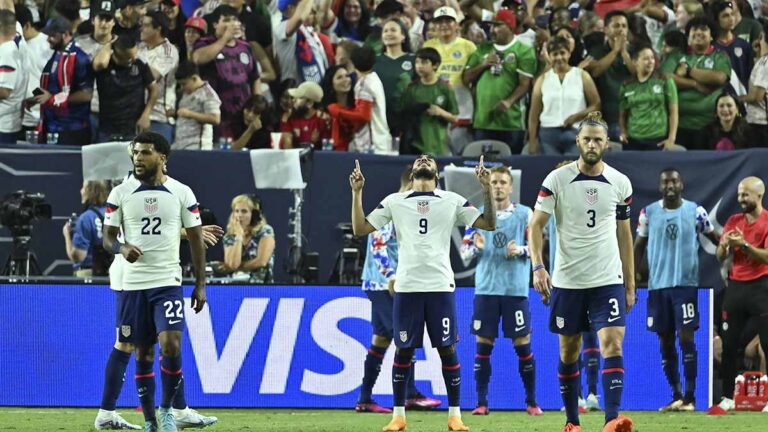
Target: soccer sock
point(401, 367)
point(372, 367)
point(412, 391)
point(114, 377)
point(613, 386)
point(145, 385)
point(527, 369)
point(452, 378)
point(179, 401)
point(569, 377)
point(483, 372)
point(170, 370)
point(592, 366)
point(690, 358)
point(669, 363)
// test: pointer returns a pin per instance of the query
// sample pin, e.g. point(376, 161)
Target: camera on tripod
point(17, 212)
point(348, 267)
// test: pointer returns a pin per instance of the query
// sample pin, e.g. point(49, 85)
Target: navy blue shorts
point(381, 312)
point(142, 315)
point(513, 312)
point(671, 309)
point(573, 311)
point(435, 309)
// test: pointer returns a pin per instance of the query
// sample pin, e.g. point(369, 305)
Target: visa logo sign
point(219, 371)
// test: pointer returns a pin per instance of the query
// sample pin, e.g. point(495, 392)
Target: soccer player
point(151, 305)
point(424, 218)
point(669, 230)
point(502, 281)
point(745, 237)
point(594, 284)
point(380, 265)
point(590, 357)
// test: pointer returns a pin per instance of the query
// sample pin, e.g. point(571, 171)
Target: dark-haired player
point(151, 305)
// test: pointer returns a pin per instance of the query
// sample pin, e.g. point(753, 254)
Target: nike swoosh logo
point(174, 321)
point(517, 329)
point(687, 321)
point(446, 338)
point(615, 387)
point(613, 319)
point(396, 380)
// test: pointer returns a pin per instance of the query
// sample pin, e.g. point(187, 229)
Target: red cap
point(197, 23)
point(507, 17)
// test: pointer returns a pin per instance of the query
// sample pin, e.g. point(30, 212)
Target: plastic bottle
point(738, 389)
point(396, 145)
point(327, 144)
point(763, 390)
point(752, 386)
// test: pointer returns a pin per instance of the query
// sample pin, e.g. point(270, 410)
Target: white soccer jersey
point(152, 218)
point(586, 209)
point(423, 224)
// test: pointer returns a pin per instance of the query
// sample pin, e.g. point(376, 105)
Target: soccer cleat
point(165, 420)
point(191, 419)
point(481, 410)
point(592, 404)
point(765, 409)
point(150, 427)
point(534, 410)
point(455, 424)
point(570, 427)
point(727, 404)
point(419, 401)
point(619, 424)
point(111, 420)
point(371, 407)
point(396, 424)
point(672, 406)
point(687, 406)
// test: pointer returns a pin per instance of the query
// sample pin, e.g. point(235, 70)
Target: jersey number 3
point(591, 221)
point(154, 229)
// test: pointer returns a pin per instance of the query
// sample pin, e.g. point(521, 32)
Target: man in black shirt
point(121, 78)
point(129, 19)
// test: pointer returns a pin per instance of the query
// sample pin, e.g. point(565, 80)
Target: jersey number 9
point(154, 230)
point(423, 226)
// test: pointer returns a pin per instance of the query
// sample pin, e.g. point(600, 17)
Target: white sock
point(454, 412)
point(399, 411)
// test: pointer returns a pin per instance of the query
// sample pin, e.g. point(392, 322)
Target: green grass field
point(70, 419)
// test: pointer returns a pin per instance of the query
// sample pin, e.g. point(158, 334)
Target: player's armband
point(623, 212)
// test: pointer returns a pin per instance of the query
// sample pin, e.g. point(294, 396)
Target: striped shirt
point(163, 59)
point(191, 134)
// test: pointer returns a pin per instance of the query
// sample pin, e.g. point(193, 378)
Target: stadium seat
point(477, 148)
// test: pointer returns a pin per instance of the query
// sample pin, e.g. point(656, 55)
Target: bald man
point(745, 236)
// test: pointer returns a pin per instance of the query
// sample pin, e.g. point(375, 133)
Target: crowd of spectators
point(385, 76)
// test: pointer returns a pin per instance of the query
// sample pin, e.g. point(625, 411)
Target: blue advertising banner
point(286, 346)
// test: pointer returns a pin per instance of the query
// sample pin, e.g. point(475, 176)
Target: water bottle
point(55, 137)
point(223, 143)
point(497, 68)
point(229, 143)
point(738, 388)
point(396, 145)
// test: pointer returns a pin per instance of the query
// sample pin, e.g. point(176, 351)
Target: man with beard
point(307, 124)
point(151, 305)
point(594, 285)
point(66, 87)
point(424, 218)
point(669, 229)
point(745, 237)
point(502, 281)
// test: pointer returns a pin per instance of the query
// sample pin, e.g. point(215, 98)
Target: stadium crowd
point(385, 76)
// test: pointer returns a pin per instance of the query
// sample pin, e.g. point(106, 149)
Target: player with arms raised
point(150, 307)
point(424, 218)
point(594, 285)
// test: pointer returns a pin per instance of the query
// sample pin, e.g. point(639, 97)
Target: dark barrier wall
point(278, 346)
point(710, 179)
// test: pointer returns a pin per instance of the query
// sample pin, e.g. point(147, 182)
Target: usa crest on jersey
point(591, 195)
point(422, 207)
point(150, 205)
